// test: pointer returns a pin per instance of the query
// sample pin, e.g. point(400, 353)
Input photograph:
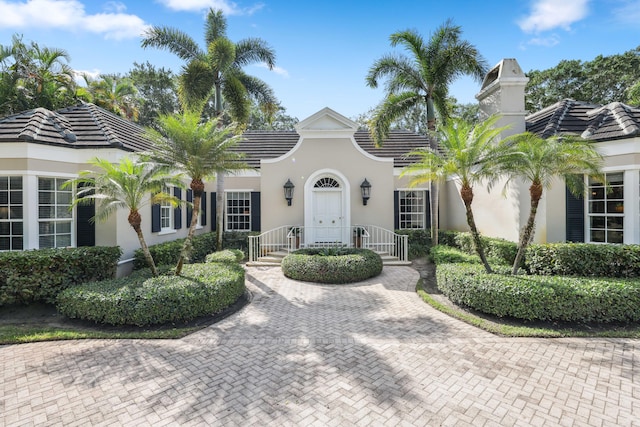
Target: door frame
point(309, 208)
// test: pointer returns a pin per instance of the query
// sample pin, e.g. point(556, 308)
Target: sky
point(325, 48)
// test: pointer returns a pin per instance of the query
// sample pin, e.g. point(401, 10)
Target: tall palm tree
point(424, 78)
point(539, 161)
point(467, 153)
point(216, 71)
point(200, 150)
point(127, 184)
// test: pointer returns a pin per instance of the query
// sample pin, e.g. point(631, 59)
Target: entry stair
point(275, 259)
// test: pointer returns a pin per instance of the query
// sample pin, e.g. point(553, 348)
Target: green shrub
point(442, 254)
point(499, 249)
point(202, 289)
point(227, 255)
point(419, 242)
point(584, 259)
point(573, 299)
point(332, 265)
point(39, 275)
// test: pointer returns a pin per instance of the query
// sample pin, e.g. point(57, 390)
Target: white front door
point(328, 217)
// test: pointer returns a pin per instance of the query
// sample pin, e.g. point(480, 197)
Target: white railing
point(288, 238)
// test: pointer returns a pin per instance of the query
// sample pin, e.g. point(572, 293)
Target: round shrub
point(227, 255)
point(332, 265)
point(555, 298)
point(202, 289)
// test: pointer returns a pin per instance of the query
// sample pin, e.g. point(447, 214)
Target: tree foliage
point(603, 80)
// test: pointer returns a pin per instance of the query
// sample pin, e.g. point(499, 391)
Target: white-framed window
point(606, 209)
point(238, 211)
point(11, 213)
point(55, 218)
point(166, 213)
point(411, 209)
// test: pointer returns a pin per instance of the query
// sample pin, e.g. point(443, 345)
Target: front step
point(275, 259)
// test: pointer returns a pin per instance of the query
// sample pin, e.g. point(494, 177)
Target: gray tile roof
point(591, 121)
point(259, 145)
point(80, 126)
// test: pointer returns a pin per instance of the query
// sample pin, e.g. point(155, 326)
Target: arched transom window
point(326, 183)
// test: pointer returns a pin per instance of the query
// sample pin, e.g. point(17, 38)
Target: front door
point(327, 219)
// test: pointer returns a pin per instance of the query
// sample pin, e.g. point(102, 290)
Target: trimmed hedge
point(39, 275)
point(227, 255)
point(572, 299)
point(141, 300)
point(584, 259)
point(332, 265)
point(494, 248)
point(419, 242)
point(443, 254)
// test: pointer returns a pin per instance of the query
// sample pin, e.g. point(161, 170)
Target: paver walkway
point(371, 353)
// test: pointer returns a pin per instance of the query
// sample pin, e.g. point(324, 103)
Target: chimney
point(502, 93)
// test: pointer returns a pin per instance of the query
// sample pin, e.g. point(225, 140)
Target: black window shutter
point(203, 209)
point(189, 208)
point(85, 229)
point(177, 212)
point(214, 220)
point(574, 217)
point(155, 218)
point(255, 211)
point(427, 210)
point(396, 210)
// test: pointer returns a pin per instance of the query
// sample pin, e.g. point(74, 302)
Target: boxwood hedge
point(573, 299)
point(499, 249)
point(202, 289)
point(332, 265)
point(227, 255)
point(39, 275)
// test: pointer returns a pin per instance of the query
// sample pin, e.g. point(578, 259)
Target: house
point(325, 183)
point(605, 216)
point(341, 188)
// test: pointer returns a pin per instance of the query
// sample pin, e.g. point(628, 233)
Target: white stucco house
point(323, 184)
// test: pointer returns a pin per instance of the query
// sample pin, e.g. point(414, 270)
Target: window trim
point(248, 216)
point(421, 212)
point(605, 215)
point(164, 208)
point(71, 220)
point(9, 220)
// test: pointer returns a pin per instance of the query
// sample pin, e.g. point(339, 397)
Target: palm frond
point(175, 41)
point(254, 50)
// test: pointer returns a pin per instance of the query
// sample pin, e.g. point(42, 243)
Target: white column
point(632, 206)
point(30, 218)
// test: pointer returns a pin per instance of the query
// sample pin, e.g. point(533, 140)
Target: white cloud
point(227, 7)
point(70, 15)
point(78, 75)
point(550, 41)
point(550, 14)
point(628, 12)
point(278, 70)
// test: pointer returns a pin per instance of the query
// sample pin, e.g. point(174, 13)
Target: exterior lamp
point(365, 188)
point(288, 191)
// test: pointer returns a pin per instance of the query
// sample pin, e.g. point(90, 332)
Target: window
point(606, 209)
point(166, 213)
point(411, 209)
point(11, 213)
point(54, 213)
point(238, 211)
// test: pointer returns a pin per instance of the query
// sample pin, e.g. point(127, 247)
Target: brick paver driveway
point(307, 354)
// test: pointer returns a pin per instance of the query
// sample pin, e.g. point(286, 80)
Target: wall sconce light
point(288, 191)
point(365, 188)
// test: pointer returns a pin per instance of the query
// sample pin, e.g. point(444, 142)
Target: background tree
point(200, 150)
point(156, 92)
point(603, 80)
point(34, 76)
point(112, 92)
point(539, 161)
point(467, 154)
point(423, 79)
point(130, 184)
point(216, 73)
point(270, 117)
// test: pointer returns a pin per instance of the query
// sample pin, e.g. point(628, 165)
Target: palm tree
point(216, 71)
point(539, 161)
point(113, 93)
point(125, 185)
point(422, 79)
point(200, 150)
point(467, 153)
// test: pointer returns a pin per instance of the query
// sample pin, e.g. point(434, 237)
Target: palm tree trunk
point(145, 251)
point(186, 247)
point(527, 233)
point(219, 209)
point(466, 193)
point(433, 211)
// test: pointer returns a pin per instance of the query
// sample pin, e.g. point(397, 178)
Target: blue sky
point(324, 48)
